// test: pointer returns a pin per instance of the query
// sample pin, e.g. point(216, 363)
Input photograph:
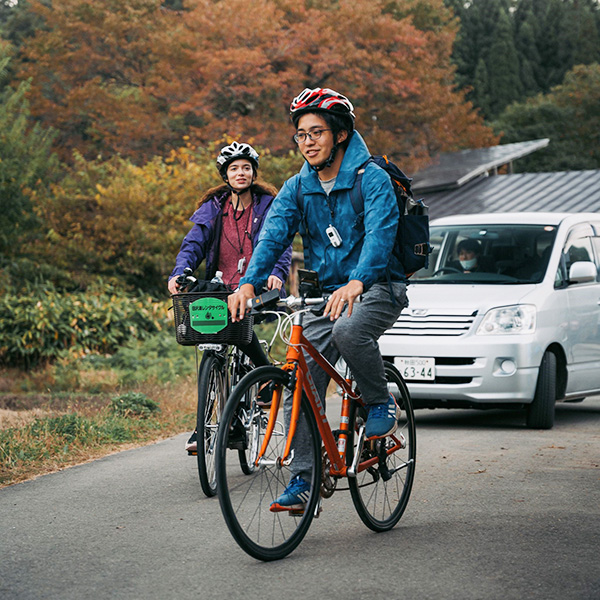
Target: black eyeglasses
point(300, 138)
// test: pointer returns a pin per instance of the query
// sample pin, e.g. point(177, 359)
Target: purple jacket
point(204, 238)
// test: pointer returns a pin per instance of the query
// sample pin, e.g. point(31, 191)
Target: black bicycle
point(222, 366)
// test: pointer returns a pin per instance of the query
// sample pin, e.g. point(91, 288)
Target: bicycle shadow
point(567, 415)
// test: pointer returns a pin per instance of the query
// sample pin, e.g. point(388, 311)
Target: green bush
point(39, 324)
point(133, 404)
point(69, 427)
point(158, 357)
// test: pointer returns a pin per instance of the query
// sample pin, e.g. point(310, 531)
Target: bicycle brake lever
point(267, 300)
point(318, 309)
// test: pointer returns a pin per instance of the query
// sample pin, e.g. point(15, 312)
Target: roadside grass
point(81, 408)
point(65, 438)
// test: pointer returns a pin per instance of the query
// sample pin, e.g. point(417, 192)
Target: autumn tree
point(398, 76)
point(26, 164)
point(124, 222)
point(134, 77)
point(103, 75)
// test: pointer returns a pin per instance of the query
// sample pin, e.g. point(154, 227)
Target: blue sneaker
point(383, 418)
point(294, 497)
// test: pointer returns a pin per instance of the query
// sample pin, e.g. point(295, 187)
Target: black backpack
point(412, 246)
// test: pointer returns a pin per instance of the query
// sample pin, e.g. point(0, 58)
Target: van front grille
point(433, 322)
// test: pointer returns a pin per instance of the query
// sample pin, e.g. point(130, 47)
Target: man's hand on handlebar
point(238, 301)
point(346, 294)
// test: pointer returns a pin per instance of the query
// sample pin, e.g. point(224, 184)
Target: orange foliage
point(253, 58)
point(103, 74)
point(129, 77)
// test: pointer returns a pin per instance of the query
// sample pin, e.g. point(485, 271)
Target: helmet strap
point(239, 193)
point(327, 163)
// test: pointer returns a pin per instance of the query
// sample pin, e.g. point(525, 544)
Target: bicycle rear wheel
point(246, 499)
point(211, 400)
point(380, 492)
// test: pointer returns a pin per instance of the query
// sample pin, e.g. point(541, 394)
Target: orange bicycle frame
point(297, 367)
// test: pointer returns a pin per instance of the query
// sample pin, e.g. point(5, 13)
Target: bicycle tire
point(380, 502)
point(248, 422)
point(211, 400)
point(245, 499)
point(249, 415)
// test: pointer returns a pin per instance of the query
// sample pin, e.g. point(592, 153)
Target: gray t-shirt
point(328, 185)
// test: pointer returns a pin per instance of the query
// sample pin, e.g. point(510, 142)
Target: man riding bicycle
point(352, 255)
point(226, 227)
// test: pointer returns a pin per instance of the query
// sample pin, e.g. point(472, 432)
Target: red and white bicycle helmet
point(321, 99)
point(233, 152)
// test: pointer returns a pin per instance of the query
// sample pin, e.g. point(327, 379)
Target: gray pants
point(355, 339)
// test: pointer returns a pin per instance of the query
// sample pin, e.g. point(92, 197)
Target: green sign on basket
point(208, 315)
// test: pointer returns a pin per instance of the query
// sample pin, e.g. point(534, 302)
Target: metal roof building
point(467, 182)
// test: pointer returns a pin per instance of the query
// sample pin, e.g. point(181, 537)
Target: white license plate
point(415, 368)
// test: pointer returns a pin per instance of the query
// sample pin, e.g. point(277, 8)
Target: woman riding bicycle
point(226, 227)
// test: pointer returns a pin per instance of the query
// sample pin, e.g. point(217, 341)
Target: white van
point(521, 327)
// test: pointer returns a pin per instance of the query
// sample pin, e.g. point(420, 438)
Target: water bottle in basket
point(218, 278)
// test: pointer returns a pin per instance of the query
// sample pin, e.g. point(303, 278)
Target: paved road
point(497, 512)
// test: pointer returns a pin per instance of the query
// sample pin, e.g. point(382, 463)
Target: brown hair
point(259, 188)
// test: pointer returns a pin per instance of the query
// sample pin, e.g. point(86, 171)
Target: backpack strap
point(300, 196)
point(356, 196)
point(300, 204)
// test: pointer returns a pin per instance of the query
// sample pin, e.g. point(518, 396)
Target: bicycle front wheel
point(249, 417)
point(246, 499)
point(381, 491)
point(211, 400)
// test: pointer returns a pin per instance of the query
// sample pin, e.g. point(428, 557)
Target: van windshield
point(488, 254)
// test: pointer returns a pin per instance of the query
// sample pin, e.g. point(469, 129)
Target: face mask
point(467, 265)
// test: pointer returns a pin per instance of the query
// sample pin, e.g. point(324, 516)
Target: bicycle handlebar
point(271, 299)
point(186, 279)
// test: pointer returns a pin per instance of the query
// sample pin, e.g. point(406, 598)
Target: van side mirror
point(582, 271)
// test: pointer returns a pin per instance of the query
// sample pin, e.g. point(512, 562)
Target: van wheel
point(540, 413)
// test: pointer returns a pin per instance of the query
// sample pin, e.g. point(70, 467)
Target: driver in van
point(470, 259)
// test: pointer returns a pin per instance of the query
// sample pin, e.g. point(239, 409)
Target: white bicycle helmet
point(233, 152)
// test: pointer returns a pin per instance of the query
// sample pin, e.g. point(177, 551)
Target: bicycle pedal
point(192, 453)
point(236, 445)
point(296, 510)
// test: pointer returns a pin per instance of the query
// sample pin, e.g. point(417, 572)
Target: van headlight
point(509, 320)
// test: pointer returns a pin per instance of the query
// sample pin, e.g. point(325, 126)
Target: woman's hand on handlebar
point(173, 285)
point(274, 283)
point(346, 294)
point(238, 301)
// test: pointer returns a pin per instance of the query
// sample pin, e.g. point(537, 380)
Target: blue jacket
point(204, 238)
point(367, 239)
